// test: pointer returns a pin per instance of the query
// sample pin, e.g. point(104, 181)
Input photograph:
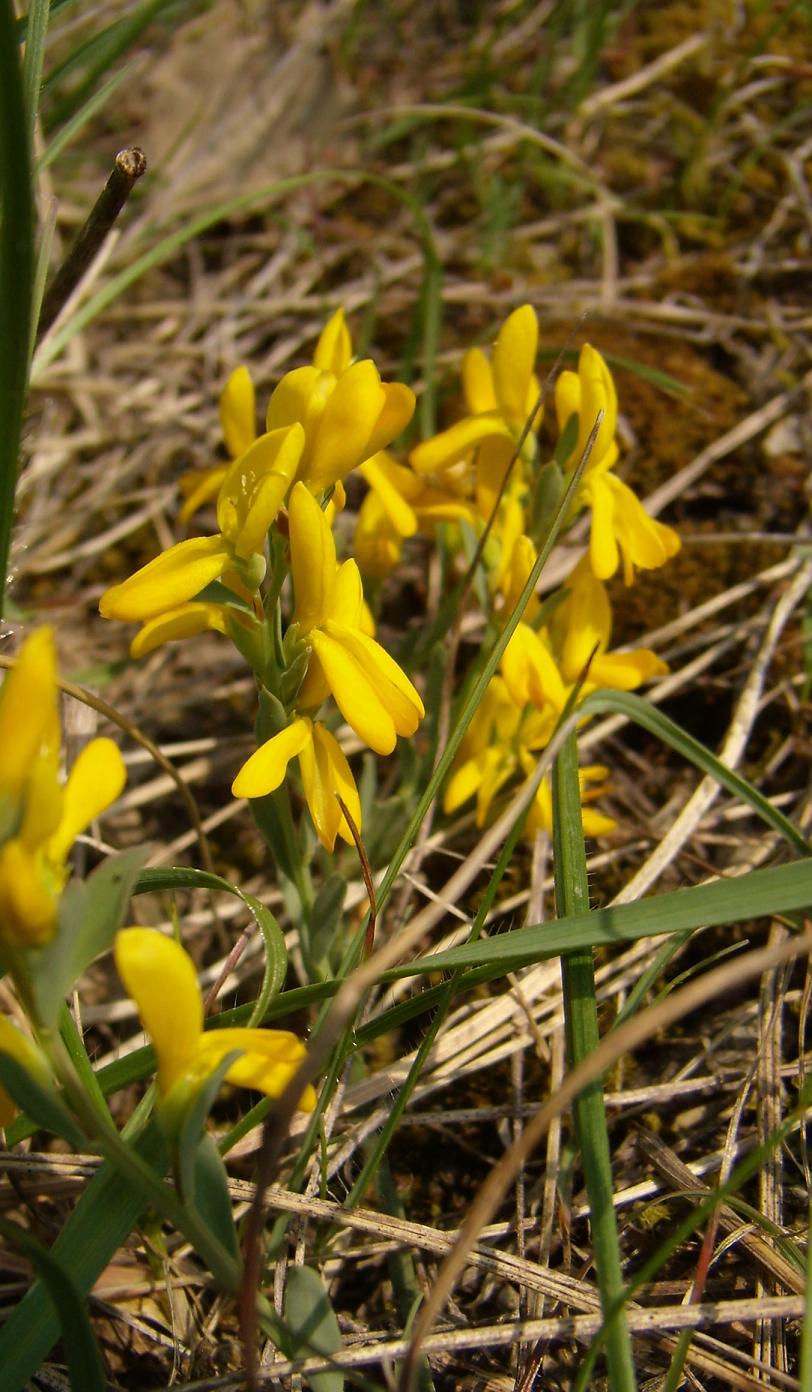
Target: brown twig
point(129, 165)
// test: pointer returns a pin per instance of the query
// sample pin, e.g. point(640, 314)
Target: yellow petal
point(185, 622)
point(238, 412)
point(28, 709)
point(377, 545)
point(255, 486)
point(43, 801)
point(456, 443)
point(389, 680)
point(268, 1060)
point(597, 394)
point(346, 425)
point(530, 670)
point(513, 362)
point(334, 348)
point(325, 772)
point(492, 462)
point(397, 411)
point(347, 606)
point(643, 540)
point(199, 486)
point(625, 671)
point(313, 558)
point(355, 695)
point(584, 622)
point(19, 1047)
point(400, 513)
point(28, 905)
point(567, 397)
point(603, 552)
point(463, 783)
point(477, 382)
point(162, 980)
point(292, 398)
point(267, 766)
point(174, 577)
point(95, 781)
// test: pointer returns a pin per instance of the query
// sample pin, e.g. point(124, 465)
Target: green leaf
point(90, 914)
point(103, 1218)
point(212, 1201)
point(276, 953)
point(311, 1325)
point(39, 1103)
point(16, 272)
point(192, 1125)
point(780, 889)
point(643, 713)
point(324, 923)
point(85, 1367)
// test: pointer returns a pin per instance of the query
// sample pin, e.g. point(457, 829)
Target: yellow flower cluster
point(40, 816)
point(323, 421)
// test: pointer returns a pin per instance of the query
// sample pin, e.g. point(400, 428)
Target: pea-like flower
point(160, 977)
point(501, 394)
point(324, 771)
point(40, 818)
point(621, 527)
point(399, 504)
point(504, 740)
point(238, 413)
point(375, 697)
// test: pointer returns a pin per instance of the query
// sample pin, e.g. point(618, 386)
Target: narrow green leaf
point(276, 953)
point(39, 1103)
point(91, 912)
point(212, 1201)
point(311, 1325)
point(85, 1368)
point(36, 31)
point(643, 713)
point(16, 272)
point(106, 1213)
point(779, 889)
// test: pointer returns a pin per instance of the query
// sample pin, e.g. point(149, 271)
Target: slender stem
point(583, 1036)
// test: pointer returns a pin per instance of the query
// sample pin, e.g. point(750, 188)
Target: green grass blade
point(80, 118)
point(107, 1212)
point(16, 273)
point(84, 1362)
point(643, 713)
point(782, 889)
point(583, 1037)
point(35, 33)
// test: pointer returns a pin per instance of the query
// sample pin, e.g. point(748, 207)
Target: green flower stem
point(583, 1035)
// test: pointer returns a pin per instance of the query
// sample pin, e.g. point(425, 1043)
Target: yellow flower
point(238, 422)
point(324, 770)
point(39, 817)
point(375, 697)
point(346, 417)
point(238, 414)
point(621, 527)
point(250, 497)
point(582, 628)
point(160, 977)
point(504, 740)
point(501, 393)
point(399, 504)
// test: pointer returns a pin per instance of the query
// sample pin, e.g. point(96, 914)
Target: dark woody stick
point(129, 165)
